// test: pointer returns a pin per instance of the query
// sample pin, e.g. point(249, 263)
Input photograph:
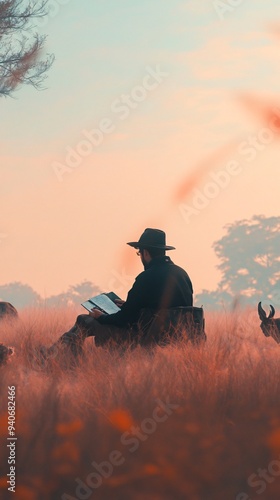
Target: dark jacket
point(162, 285)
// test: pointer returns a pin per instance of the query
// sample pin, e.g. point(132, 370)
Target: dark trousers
point(104, 335)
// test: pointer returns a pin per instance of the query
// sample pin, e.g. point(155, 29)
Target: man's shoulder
point(170, 265)
point(161, 267)
point(179, 268)
point(146, 275)
point(141, 276)
point(180, 271)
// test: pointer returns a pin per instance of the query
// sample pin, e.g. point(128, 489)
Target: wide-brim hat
point(151, 238)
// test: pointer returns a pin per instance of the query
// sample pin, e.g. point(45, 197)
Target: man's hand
point(95, 313)
point(119, 302)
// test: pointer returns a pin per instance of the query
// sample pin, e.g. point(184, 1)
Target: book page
point(88, 305)
point(105, 304)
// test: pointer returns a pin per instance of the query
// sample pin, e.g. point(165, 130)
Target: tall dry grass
point(225, 428)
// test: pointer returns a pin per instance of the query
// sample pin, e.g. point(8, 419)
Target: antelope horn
point(272, 312)
point(261, 311)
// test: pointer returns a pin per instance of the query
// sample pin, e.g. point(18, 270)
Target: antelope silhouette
point(269, 325)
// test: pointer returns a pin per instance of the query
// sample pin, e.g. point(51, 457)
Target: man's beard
point(145, 263)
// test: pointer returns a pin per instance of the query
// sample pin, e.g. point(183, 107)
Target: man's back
point(166, 285)
point(161, 285)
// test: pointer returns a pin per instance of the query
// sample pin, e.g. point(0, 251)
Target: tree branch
point(19, 56)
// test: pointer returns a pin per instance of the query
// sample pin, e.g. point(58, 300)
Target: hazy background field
point(216, 104)
point(225, 428)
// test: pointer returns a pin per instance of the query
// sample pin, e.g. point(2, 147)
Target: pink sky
point(59, 231)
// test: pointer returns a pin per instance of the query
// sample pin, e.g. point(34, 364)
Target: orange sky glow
point(194, 148)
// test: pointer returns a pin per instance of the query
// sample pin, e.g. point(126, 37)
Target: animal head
point(5, 353)
point(269, 325)
point(7, 310)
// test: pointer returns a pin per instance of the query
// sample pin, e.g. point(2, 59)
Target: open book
point(104, 302)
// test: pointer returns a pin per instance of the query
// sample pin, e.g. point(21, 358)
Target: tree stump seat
point(174, 324)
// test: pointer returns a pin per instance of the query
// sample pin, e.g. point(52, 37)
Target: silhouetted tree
point(84, 290)
point(20, 46)
point(250, 261)
point(75, 295)
point(213, 299)
point(250, 257)
point(19, 295)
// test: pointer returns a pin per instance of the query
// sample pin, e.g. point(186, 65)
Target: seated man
point(161, 285)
